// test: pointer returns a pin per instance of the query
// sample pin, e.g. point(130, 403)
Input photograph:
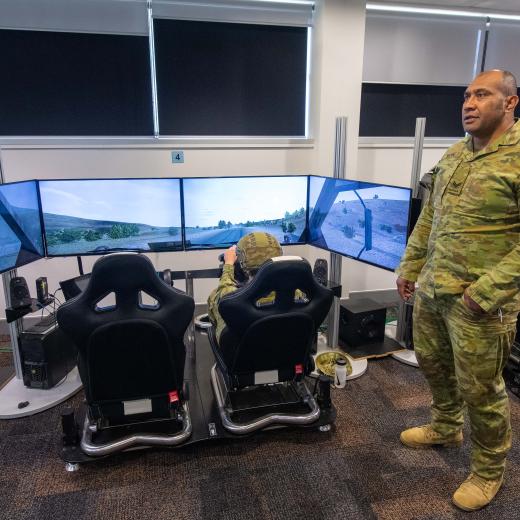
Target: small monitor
point(361, 220)
point(98, 216)
point(218, 212)
point(20, 225)
point(74, 286)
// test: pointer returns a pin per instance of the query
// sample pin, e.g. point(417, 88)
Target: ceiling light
point(440, 12)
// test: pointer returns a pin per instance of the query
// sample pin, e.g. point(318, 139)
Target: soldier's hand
point(472, 304)
point(405, 288)
point(230, 256)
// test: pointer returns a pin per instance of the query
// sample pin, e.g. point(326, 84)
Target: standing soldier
point(465, 255)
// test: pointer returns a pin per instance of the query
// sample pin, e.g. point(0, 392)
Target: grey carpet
point(358, 471)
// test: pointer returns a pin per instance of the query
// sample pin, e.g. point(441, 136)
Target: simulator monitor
point(98, 216)
point(361, 220)
point(20, 225)
point(218, 212)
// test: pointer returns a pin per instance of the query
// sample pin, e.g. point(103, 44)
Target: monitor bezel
point(206, 248)
point(35, 182)
point(103, 253)
point(390, 269)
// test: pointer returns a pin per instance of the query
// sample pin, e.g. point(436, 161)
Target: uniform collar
point(508, 138)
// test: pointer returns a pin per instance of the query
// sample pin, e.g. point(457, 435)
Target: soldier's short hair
point(510, 87)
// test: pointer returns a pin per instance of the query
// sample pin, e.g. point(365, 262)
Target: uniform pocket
point(470, 312)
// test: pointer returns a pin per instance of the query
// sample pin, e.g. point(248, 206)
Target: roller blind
point(413, 49)
point(294, 13)
point(230, 79)
point(97, 16)
point(503, 47)
point(63, 84)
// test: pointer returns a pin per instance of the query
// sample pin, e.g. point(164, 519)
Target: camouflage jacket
point(227, 285)
point(467, 235)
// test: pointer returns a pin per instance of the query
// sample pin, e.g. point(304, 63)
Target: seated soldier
point(251, 252)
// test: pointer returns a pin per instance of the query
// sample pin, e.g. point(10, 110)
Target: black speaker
point(361, 321)
point(47, 355)
point(19, 292)
point(321, 271)
point(42, 289)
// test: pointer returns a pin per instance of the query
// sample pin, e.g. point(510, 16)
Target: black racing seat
point(131, 355)
point(264, 335)
point(271, 324)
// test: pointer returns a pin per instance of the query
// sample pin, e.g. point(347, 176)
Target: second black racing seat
point(264, 352)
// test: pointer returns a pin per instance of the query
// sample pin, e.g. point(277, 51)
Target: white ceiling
point(496, 6)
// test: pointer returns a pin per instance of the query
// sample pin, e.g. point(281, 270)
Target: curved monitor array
point(361, 220)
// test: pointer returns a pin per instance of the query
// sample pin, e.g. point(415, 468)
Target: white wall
point(337, 60)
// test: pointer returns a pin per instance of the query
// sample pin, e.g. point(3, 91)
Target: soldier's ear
point(511, 102)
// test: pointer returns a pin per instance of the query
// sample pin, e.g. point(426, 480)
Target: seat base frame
point(204, 415)
point(263, 420)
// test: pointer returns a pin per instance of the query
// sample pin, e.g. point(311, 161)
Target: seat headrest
point(284, 276)
point(286, 258)
point(122, 271)
point(128, 276)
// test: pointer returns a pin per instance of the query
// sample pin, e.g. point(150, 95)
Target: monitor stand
point(14, 394)
point(16, 400)
point(404, 356)
point(359, 366)
point(407, 357)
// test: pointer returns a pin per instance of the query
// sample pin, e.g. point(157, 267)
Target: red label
point(298, 369)
point(174, 396)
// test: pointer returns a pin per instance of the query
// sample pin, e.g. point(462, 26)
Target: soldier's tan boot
point(476, 492)
point(425, 437)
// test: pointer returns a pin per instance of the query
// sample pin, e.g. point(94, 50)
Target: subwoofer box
point(361, 321)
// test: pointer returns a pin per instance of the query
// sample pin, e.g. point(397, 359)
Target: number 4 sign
point(177, 156)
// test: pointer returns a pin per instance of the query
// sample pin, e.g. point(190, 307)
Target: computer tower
point(47, 356)
point(361, 321)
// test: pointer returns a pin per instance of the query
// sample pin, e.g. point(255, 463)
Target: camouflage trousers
point(462, 355)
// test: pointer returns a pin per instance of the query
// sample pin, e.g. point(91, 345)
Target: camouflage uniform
point(252, 251)
point(467, 237)
point(226, 285)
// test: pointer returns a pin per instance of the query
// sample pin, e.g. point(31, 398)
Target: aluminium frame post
point(335, 259)
point(420, 126)
point(418, 145)
point(15, 327)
